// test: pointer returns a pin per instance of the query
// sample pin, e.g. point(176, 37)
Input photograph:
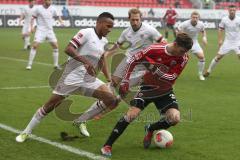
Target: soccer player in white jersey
point(86, 50)
point(138, 35)
point(44, 15)
point(231, 25)
point(193, 27)
point(26, 30)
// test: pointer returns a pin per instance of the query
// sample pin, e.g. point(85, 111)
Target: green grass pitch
point(209, 109)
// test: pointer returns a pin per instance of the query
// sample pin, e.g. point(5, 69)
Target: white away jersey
point(45, 17)
point(88, 44)
point(140, 39)
point(27, 13)
point(231, 27)
point(191, 30)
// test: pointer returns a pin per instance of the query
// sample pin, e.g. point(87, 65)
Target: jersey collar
point(97, 34)
point(167, 53)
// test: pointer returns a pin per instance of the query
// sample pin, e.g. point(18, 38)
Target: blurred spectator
point(151, 13)
point(65, 12)
point(177, 4)
point(160, 1)
point(206, 4)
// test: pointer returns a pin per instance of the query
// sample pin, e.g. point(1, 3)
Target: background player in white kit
point(231, 25)
point(193, 27)
point(138, 35)
point(26, 30)
point(86, 50)
point(44, 15)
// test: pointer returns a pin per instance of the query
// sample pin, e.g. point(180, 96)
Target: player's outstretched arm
point(110, 51)
point(220, 36)
point(21, 18)
point(105, 68)
point(204, 37)
point(32, 24)
point(60, 20)
point(135, 59)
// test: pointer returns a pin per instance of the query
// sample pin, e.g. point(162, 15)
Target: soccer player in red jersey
point(164, 63)
point(170, 20)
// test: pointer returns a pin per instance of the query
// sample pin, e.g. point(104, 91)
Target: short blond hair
point(195, 13)
point(134, 11)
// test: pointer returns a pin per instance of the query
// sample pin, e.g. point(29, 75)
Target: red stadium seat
point(129, 3)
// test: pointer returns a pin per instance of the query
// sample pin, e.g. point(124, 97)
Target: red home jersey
point(170, 16)
point(162, 68)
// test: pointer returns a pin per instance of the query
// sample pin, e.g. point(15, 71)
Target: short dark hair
point(105, 15)
point(183, 40)
point(232, 6)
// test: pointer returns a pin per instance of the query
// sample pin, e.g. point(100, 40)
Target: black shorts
point(171, 26)
point(162, 103)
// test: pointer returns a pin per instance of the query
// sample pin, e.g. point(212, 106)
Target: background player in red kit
point(164, 63)
point(170, 19)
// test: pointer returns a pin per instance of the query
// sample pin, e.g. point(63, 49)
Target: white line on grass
point(23, 60)
point(56, 144)
point(25, 87)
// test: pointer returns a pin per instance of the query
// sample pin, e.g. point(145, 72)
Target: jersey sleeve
point(136, 59)
point(23, 12)
point(222, 24)
point(79, 39)
point(156, 36)
point(35, 12)
point(181, 26)
point(202, 27)
point(174, 72)
point(55, 13)
point(122, 38)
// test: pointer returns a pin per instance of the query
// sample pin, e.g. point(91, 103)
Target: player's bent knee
point(53, 102)
point(173, 116)
point(201, 57)
point(218, 57)
point(111, 101)
point(132, 114)
point(115, 81)
point(176, 119)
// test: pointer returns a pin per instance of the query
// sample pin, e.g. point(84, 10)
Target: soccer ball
point(163, 139)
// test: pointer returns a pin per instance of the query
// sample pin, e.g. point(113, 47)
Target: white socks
point(37, 117)
point(212, 65)
point(55, 57)
point(31, 56)
point(96, 108)
point(201, 65)
point(26, 42)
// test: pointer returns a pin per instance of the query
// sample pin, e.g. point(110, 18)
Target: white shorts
point(41, 36)
point(26, 29)
point(136, 76)
point(228, 46)
point(75, 80)
point(196, 48)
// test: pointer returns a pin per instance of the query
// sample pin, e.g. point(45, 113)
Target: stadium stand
point(18, 1)
point(118, 3)
point(131, 3)
point(224, 4)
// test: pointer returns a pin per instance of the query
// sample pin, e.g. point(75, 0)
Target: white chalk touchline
point(23, 60)
point(56, 144)
point(23, 87)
